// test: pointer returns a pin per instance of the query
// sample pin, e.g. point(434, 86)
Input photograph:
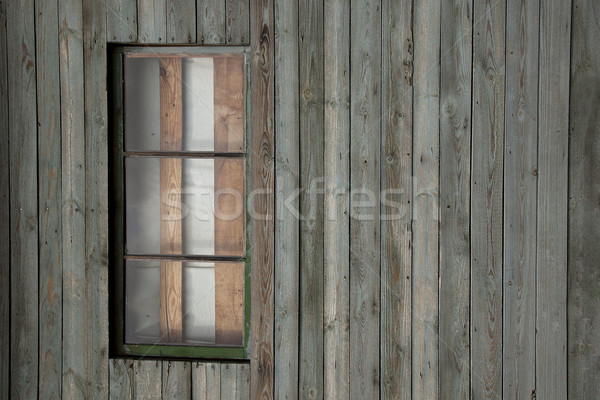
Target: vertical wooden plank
point(520, 191)
point(336, 264)
point(121, 379)
point(96, 197)
point(49, 202)
point(181, 21)
point(210, 21)
point(229, 194)
point(487, 153)
point(310, 57)
point(552, 200)
point(584, 211)
point(74, 314)
point(229, 389)
point(121, 21)
point(152, 21)
point(455, 170)
point(425, 199)
point(176, 380)
point(148, 379)
point(230, 113)
point(206, 381)
point(4, 215)
point(365, 114)
point(287, 182)
point(396, 192)
point(229, 303)
point(243, 382)
point(237, 27)
point(21, 67)
point(171, 240)
point(262, 175)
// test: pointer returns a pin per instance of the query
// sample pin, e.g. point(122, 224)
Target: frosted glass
point(142, 302)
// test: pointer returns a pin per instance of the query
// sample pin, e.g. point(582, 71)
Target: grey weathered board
point(211, 21)
point(287, 179)
point(181, 21)
point(121, 21)
point(152, 21)
point(396, 192)
point(487, 152)
point(22, 125)
point(310, 58)
point(584, 210)
point(425, 202)
point(336, 232)
point(520, 195)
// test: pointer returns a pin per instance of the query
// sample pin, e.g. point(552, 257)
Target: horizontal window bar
point(173, 257)
point(184, 154)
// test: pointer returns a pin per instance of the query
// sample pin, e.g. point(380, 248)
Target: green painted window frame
point(118, 347)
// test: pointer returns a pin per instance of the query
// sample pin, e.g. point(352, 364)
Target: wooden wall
point(472, 123)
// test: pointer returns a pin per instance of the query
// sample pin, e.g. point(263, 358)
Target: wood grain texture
point(122, 375)
point(310, 58)
point(336, 257)
point(96, 199)
point(552, 200)
point(171, 239)
point(152, 21)
point(584, 211)
point(262, 176)
point(426, 141)
point(21, 56)
point(229, 207)
point(234, 381)
point(206, 381)
point(4, 215)
point(49, 202)
point(121, 21)
point(74, 312)
point(229, 103)
point(148, 379)
point(176, 380)
point(229, 303)
point(365, 139)
point(237, 27)
point(287, 182)
point(210, 21)
point(455, 170)
point(396, 190)
point(181, 21)
point(487, 155)
point(520, 191)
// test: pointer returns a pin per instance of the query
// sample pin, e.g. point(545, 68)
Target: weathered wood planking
point(396, 190)
point(181, 21)
point(122, 377)
point(552, 200)
point(242, 382)
point(21, 53)
point(121, 21)
point(171, 239)
point(152, 21)
point(262, 176)
point(237, 27)
point(147, 379)
point(487, 152)
point(206, 381)
point(520, 191)
point(336, 264)
point(73, 196)
point(96, 199)
point(310, 58)
point(176, 380)
point(425, 200)
point(49, 202)
point(4, 216)
point(234, 381)
point(287, 181)
point(229, 102)
point(455, 170)
point(365, 112)
point(210, 22)
point(584, 212)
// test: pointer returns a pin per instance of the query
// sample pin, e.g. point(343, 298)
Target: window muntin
point(184, 166)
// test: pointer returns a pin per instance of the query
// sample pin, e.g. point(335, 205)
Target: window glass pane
point(210, 91)
point(191, 206)
point(212, 303)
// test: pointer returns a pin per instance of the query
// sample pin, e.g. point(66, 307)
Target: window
point(180, 284)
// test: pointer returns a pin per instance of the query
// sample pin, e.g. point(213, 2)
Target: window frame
point(118, 346)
